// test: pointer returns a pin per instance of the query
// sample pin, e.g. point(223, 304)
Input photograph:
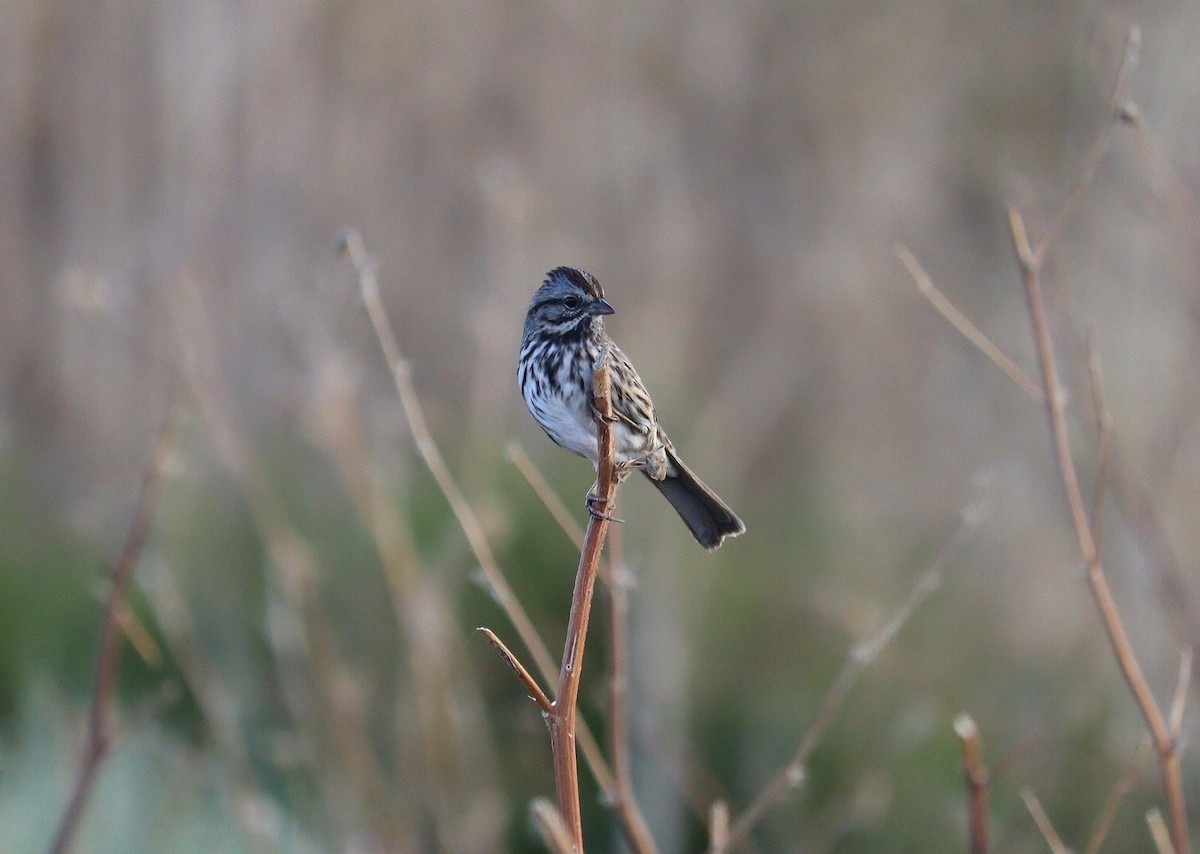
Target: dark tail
point(706, 515)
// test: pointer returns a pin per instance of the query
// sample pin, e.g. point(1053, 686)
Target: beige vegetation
point(854, 250)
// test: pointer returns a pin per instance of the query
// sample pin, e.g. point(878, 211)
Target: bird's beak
point(601, 306)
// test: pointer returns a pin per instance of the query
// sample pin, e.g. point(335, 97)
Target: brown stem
point(963, 324)
point(535, 690)
point(99, 736)
point(621, 797)
point(977, 782)
point(562, 720)
point(1133, 497)
point(1055, 397)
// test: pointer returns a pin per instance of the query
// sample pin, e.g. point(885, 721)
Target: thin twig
point(1139, 509)
point(1159, 832)
point(1103, 430)
point(301, 638)
point(1129, 60)
point(535, 690)
point(99, 737)
point(977, 782)
point(546, 493)
point(1043, 822)
point(1055, 397)
point(1175, 718)
point(457, 764)
point(551, 825)
point(139, 636)
point(352, 244)
point(1120, 790)
point(860, 656)
point(562, 721)
point(1135, 500)
point(1104, 823)
point(965, 327)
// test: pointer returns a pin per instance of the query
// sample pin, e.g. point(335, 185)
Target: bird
point(563, 338)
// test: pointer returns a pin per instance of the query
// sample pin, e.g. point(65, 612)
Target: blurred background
point(302, 672)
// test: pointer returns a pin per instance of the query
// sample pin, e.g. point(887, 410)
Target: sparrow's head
point(566, 303)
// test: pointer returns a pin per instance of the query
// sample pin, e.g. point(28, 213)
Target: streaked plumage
point(563, 336)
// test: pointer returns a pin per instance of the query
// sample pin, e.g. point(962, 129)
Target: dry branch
point(1120, 790)
point(977, 782)
point(963, 324)
point(1055, 397)
point(622, 798)
point(526, 678)
point(1043, 822)
point(1104, 423)
point(542, 489)
point(1134, 499)
point(861, 655)
point(99, 736)
point(562, 721)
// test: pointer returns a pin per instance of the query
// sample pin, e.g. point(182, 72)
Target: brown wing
point(631, 403)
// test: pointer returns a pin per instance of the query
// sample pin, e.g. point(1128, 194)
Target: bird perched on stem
point(564, 336)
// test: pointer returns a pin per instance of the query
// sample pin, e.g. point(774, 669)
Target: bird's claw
point(648, 462)
point(592, 501)
point(600, 416)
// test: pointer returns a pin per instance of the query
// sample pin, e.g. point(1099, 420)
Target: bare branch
point(535, 690)
point(1103, 430)
point(1118, 112)
point(1120, 790)
point(622, 796)
point(964, 325)
point(977, 782)
point(1055, 397)
point(562, 721)
point(548, 496)
point(860, 656)
point(99, 736)
point(1043, 822)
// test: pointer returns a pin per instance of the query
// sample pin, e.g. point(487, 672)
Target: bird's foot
point(600, 416)
point(594, 501)
point(653, 463)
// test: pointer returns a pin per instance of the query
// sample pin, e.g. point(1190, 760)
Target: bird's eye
point(571, 302)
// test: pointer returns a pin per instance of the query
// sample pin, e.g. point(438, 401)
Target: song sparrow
point(563, 337)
